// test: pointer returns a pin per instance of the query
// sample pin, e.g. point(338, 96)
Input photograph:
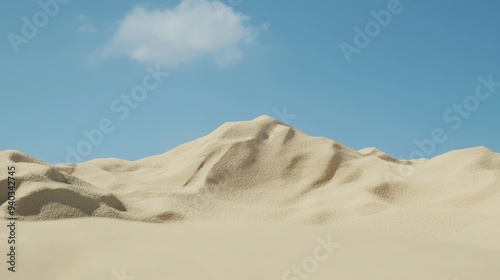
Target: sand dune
point(433, 218)
point(260, 170)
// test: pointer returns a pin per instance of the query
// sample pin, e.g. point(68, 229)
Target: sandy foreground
point(256, 200)
point(106, 249)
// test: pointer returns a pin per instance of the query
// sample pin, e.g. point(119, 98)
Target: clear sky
point(365, 73)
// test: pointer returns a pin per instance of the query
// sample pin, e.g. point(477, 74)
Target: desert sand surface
point(249, 201)
point(97, 248)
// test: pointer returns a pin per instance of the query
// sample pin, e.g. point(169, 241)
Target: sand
point(249, 201)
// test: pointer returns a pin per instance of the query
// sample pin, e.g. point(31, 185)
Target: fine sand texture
point(110, 249)
point(249, 201)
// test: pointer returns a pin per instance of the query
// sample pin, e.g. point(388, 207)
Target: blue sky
point(237, 59)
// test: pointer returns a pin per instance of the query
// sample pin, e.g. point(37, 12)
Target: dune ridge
point(261, 170)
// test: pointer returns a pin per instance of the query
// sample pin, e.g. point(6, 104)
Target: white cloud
point(183, 34)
